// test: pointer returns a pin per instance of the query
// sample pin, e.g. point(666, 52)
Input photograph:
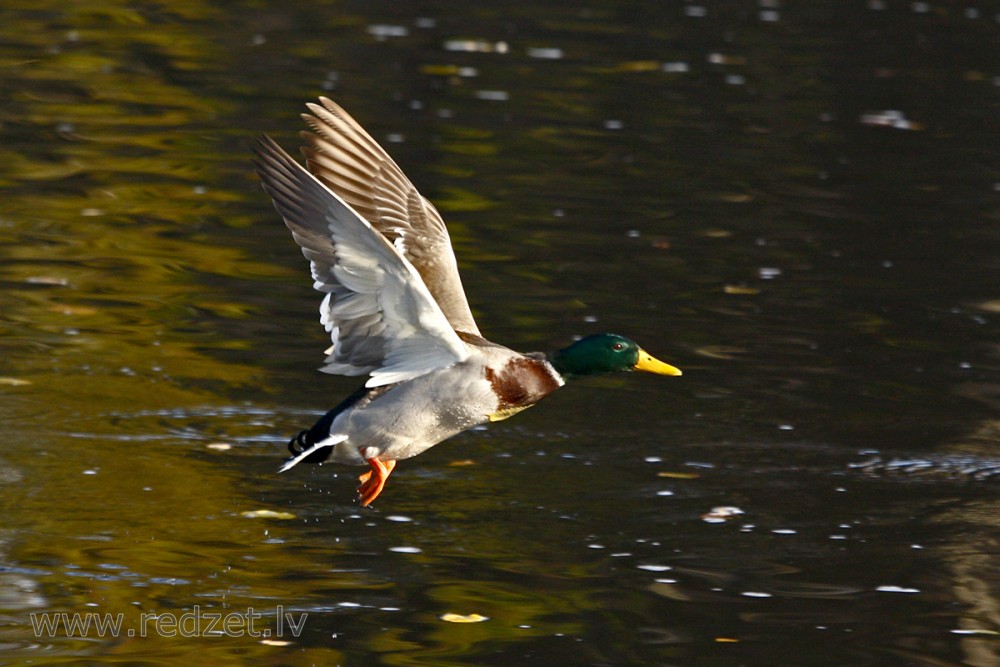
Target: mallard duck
point(396, 310)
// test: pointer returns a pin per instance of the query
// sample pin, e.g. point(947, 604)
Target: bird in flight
point(396, 310)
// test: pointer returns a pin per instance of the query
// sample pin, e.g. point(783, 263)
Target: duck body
point(402, 420)
point(396, 310)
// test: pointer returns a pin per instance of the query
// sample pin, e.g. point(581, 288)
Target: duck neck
point(569, 366)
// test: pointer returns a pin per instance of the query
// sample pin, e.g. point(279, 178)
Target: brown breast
point(522, 382)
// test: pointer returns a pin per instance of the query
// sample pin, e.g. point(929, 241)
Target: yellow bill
point(651, 364)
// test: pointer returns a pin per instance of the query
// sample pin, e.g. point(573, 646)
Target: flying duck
point(396, 310)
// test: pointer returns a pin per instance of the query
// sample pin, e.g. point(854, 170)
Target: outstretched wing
point(342, 155)
point(381, 317)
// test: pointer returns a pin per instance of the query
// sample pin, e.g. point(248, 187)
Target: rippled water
point(796, 204)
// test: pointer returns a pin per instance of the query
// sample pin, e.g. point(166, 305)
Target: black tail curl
point(306, 439)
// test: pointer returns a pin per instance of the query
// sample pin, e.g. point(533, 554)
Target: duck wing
point(379, 313)
point(341, 154)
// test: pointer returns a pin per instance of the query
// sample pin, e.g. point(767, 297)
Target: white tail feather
point(332, 441)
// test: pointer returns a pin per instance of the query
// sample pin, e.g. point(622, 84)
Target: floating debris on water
point(676, 67)
point(742, 290)
point(891, 118)
point(991, 305)
point(725, 59)
point(638, 66)
point(476, 46)
point(756, 594)
point(897, 589)
point(218, 446)
point(267, 514)
point(654, 568)
point(53, 281)
point(721, 514)
point(449, 70)
point(464, 618)
point(381, 32)
point(545, 53)
point(493, 95)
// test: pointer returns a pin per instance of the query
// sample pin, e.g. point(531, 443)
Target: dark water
point(796, 203)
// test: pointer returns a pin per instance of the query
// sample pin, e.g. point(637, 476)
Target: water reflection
point(795, 199)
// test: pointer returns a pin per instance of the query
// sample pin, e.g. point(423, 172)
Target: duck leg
point(373, 480)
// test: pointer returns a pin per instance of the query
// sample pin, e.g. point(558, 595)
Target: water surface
point(795, 204)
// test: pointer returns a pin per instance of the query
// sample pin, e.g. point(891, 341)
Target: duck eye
point(618, 347)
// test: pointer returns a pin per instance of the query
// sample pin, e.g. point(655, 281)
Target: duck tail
point(314, 445)
point(314, 454)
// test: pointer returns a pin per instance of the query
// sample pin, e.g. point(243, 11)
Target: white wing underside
point(345, 158)
point(381, 317)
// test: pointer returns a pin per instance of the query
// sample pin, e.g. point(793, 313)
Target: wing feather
point(352, 164)
point(380, 315)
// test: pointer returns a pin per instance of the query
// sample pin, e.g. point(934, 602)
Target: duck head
point(607, 353)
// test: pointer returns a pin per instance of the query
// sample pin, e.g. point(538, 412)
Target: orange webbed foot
point(373, 480)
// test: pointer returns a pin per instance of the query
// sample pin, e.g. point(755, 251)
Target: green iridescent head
point(607, 353)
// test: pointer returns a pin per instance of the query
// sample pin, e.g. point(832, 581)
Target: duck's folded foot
point(373, 480)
